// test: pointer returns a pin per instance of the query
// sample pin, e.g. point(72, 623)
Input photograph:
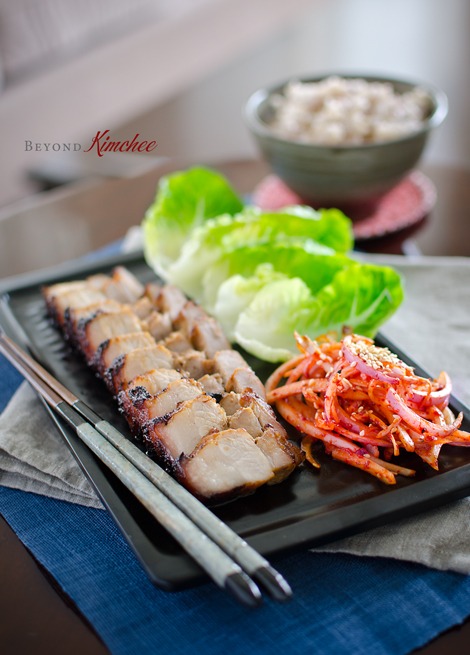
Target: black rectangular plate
point(310, 508)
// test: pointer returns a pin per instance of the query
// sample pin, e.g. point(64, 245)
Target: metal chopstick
point(226, 573)
point(248, 558)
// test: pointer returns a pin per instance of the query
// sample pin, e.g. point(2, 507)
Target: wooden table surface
point(36, 617)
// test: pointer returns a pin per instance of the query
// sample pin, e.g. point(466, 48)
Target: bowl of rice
point(343, 139)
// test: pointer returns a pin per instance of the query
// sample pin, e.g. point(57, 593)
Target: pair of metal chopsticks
point(228, 559)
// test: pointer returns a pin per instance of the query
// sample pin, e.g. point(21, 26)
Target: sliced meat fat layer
point(167, 401)
point(212, 385)
point(159, 325)
point(110, 350)
point(177, 342)
point(252, 413)
point(75, 316)
point(194, 363)
point(122, 286)
point(95, 331)
point(237, 375)
point(143, 308)
point(155, 380)
point(142, 388)
point(283, 455)
point(224, 465)
point(179, 433)
point(169, 299)
point(135, 363)
point(203, 331)
point(69, 295)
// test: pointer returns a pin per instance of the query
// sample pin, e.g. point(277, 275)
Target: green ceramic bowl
point(340, 175)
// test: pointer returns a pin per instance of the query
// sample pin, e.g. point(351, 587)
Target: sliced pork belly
point(177, 342)
point(142, 388)
point(202, 330)
point(225, 464)
point(110, 350)
point(159, 325)
point(154, 381)
point(122, 286)
point(151, 291)
point(74, 315)
point(212, 384)
point(194, 363)
point(244, 379)
point(245, 418)
point(94, 331)
point(142, 308)
point(263, 412)
point(283, 455)
point(129, 283)
point(252, 413)
point(167, 401)
point(179, 433)
point(170, 301)
point(61, 298)
point(236, 373)
point(137, 362)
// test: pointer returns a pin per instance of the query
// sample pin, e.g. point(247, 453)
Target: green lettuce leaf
point(325, 231)
point(360, 297)
point(308, 260)
point(183, 201)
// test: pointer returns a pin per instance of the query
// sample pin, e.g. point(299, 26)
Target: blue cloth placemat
point(342, 604)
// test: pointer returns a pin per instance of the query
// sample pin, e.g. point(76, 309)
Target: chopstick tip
point(243, 589)
point(271, 580)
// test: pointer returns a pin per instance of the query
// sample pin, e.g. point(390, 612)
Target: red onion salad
point(365, 405)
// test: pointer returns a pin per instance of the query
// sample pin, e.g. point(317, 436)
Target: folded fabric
point(431, 326)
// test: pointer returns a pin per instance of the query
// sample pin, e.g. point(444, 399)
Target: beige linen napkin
point(432, 327)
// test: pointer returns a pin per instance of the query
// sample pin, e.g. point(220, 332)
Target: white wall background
point(425, 40)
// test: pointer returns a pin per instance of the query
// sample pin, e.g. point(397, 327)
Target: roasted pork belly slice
point(244, 379)
point(194, 363)
point(252, 413)
point(212, 385)
point(94, 331)
point(142, 308)
point(135, 363)
point(236, 373)
point(152, 291)
point(263, 412)
point(188, 317)
point(202, 330)
point(128, 282)
point(225, 464)
point(142, 388)
point(177, 342)
point(74, 316)
point(122, 286)
point(230, 402)
point(283, 455)
point(167, 401)
point(51, 291)
point(179, 433)
point(98, 280)
point(170, 300)
point(245, 418)
point(121, 345)
point(159, 325)
point(71, 298)
point(208, 337)
point(155, 381)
